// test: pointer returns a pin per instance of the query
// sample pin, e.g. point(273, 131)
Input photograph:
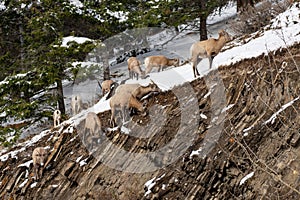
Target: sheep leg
point(210, 59)
point(137, 76)
point(40, 171)
point(112, 118)
point(123, 115)
point(148, 69)
point(36, 172)
point(130, 74)
point(195, 61)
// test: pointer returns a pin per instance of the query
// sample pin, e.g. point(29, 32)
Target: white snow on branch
point(274, 116)
point(79, 40)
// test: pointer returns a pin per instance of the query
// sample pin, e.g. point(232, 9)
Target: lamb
point(134, 68)
point(92, 130)
point(39, 157)
point(123, 102)
point(142, 91)
point(137, 90)
point(127, 88)
point(127, 97)
point(207, 49)
point(160, 62)
point(106, 86)
point(76, 104)
point(56, 118)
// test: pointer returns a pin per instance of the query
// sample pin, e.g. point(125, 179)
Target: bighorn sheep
point(207, 49)
point(39, 157)
point(92, 130)
point(106, 86)
point(160, 62)
point(123, 102)
point(56, 117)
point(138, 90)
point(127, 97)
point(76, 104)
point(134, 68)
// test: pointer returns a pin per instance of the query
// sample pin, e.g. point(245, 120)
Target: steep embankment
point(256, 156)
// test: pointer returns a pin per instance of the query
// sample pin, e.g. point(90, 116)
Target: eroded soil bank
point(256, 154)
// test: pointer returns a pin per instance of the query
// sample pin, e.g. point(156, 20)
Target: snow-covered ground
point(282, 32)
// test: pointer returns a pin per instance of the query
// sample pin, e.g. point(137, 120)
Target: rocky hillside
point(256, 155)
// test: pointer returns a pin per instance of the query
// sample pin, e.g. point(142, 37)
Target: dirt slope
point(251, 140)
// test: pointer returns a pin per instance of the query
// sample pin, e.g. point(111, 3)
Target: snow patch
point(2, 6)
point(197, 152)
point(246, 178)
point(151, 183)
point(78, 159)
point(76, 3)
point(121, 15)
point(283, 36)
point(26, 164)
point(33, 185)
point(79, 40)
point(83, 162)
point(125, 130)
point(227, 108)
point(70, 129)
point(23, 183)
point(203, 116)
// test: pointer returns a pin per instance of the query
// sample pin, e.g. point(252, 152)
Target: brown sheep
point(106, 86)
point(207, 49)
point(123, 102)
point(39, 157)
point(76, 104)
point(128, 96)
point(160, 62)
point(56, 118)
point(138, 90)
point(134, 68)
point(92, 130)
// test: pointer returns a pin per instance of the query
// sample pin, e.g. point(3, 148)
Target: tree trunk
point(203, 16)
point(106, 71)
point(21, 32)
point(60, 97)
point(203, 29)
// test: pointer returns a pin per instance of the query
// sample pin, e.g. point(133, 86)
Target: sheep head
point(223, 33)
point(154, 87)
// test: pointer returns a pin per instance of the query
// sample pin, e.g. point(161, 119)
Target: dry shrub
point(253, 18)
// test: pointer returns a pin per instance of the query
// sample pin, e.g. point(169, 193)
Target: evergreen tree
point(38, 56)
point(173, 13)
